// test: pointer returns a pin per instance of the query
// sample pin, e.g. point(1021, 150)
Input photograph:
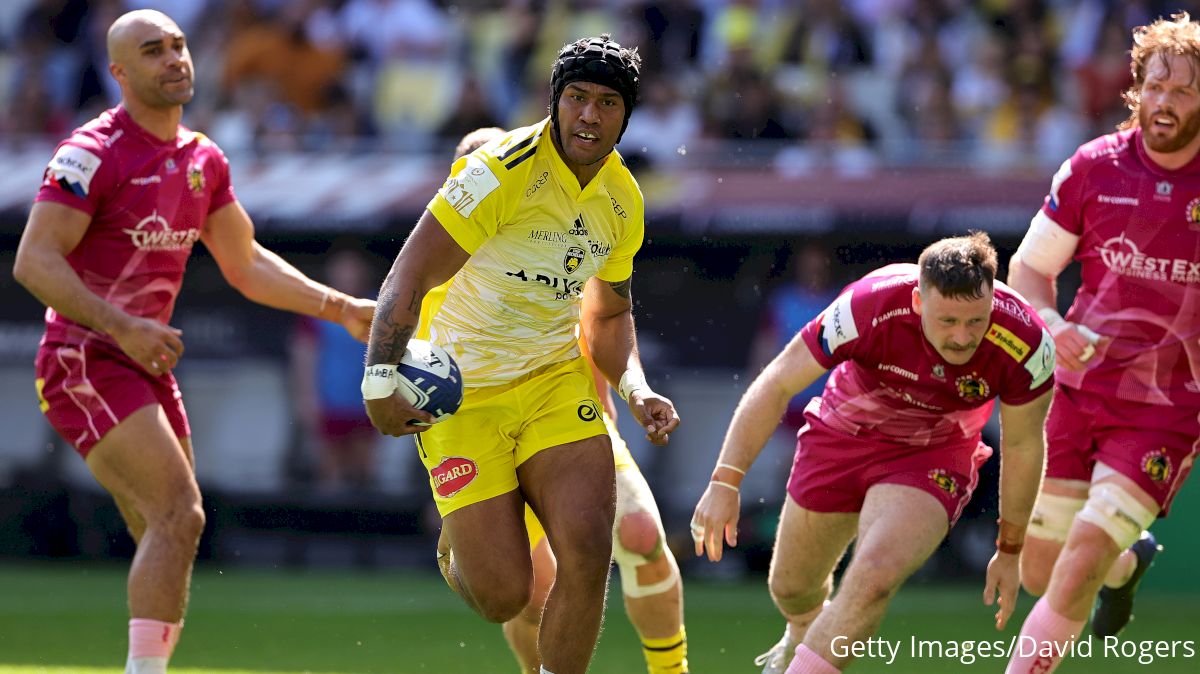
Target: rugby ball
point(429, 379)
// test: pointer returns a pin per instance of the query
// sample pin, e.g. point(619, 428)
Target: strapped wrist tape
point(379, 381)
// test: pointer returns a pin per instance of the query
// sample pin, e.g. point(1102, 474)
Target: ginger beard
point(1165, 132)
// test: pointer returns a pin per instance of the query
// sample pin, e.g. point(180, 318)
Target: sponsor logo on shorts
point(972, 387)
point(944, 481)
point(1005, 339)
point(573, 259)
point(588, 410)
point(452, 475)
point(1157, 465)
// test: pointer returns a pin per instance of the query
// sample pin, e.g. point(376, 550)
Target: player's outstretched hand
point(153, 345)
point(1003, 580)
point(1075, 344)
point(395, 416)
point(716, 516)
point(357, 316)
point(655, 413)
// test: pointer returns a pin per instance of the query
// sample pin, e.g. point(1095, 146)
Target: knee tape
point(633, 496)
point(1118, 513)
point(1053, 515)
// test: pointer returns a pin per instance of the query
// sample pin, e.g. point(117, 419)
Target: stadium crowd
point(818, 83)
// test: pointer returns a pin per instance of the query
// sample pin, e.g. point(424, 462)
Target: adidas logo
point(579, 229)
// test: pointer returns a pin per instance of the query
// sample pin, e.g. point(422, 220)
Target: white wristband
point(632, 380)
point(379, 381)
point(1050, 316)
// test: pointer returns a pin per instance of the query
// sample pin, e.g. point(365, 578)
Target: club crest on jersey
point(1157, 465)
point(1193, 213)
point(945, 482)
point(452, 475)
point(195, 179)
point(972, 388)
point(573, 259)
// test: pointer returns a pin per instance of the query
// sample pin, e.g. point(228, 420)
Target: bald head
point(149, 58)
point(132, 29)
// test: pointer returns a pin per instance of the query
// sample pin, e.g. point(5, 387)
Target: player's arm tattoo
point(389, 348)
point(622, 288)
point(390, 336)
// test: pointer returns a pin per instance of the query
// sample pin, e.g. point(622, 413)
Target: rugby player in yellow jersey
point(497, 269)
point(650, 579)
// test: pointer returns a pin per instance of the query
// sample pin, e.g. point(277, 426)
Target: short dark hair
point(961, 267)
point(476, 139)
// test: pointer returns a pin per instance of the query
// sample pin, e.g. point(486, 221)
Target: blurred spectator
point(471, 112)
point(788, 309)
point(662, 126)
point(927, 77)
point(835, 137)
point(326, 365)
point(742, 102)
point(279, 52)
point(674, 31)
point(825, 36)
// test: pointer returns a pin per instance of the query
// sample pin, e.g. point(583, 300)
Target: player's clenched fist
point(655, 413)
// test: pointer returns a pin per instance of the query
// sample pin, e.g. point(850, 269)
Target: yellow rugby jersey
point(535, 239)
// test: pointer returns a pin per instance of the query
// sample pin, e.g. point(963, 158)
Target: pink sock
point(808, 662)
point(152, 638)
point(1045, 636)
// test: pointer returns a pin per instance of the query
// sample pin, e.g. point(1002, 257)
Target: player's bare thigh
point(146, 468)
point(899, 527)
point(572, 490)
point(808, 546)
point(491, 555)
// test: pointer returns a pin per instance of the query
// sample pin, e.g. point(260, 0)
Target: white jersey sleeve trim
point(1047, 248)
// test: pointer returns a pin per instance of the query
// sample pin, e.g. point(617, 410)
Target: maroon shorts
point(833, 471)
point(1153, 445)
point(86, 391)
point(346, 426)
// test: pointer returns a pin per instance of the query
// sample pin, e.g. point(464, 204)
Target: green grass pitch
point(60, 618)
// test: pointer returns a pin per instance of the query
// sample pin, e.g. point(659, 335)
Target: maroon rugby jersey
point(148, 199)
point(890, 384)
point(1139, 246)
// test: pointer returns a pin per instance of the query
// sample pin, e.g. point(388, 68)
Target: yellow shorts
point(622, 458)
point(473, 455)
